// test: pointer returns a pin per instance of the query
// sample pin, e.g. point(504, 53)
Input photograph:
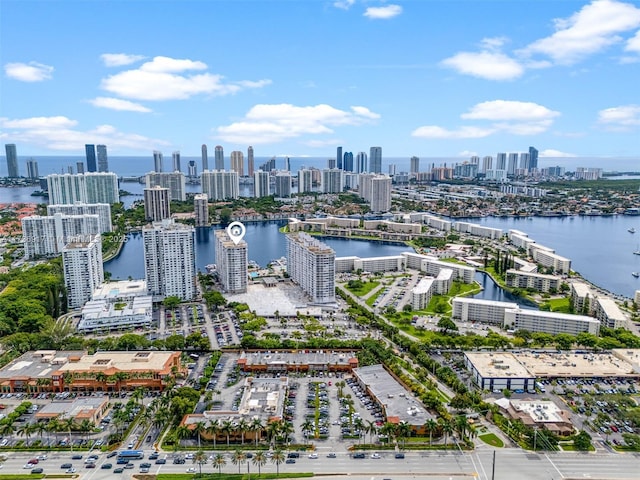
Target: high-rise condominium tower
point(80, 167)
point(376, 190)
point(103, 210)
point(231, 262)
point(250, 165)
point(83, 270)
point(361, 162)
point(501, 161)
point(305, 180)
point(201, 210)
point(156, 203)
point(157, 161)
point(174, 181)
point(192, 169)
point(47, 235)
point(487, 163)
point(283, 184)
point(332, 180)
point(12, 160)
point(533, 158)
point(219, 158)
point(312, 265)
point(525, 162)
point(32, 169)
point(415, 165)
point(169, 259)
point(331, 163)
point(339, 157)
point(375, 159)
point(512, 164)
point(205, 158)
point(348, 162)
point(220, 184)
point(90, 151)
point(103, 160)
point(237, 162)
point(92, 187)
point(175, 156)
point(261, 184)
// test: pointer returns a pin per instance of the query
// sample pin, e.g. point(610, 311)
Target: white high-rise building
point(380, 194)
point(501, 161)
point(83, 270)
point(361, 163)
point(158, 162)
point(512, 164)
point(375, 159)
point(283, 184)
point(260, 184)
point(220, 184)
point(250, 161)
point(175, 157)
point(237, 162)
point(90, 187)
point(219, 158)
point(169, 260)
point(102, 187)
point(103, 160)
point(231, 263)
point(46, 236)
point(305, 180)
point(156, 203)
point(32, 169)
point(312, 265)
point(487, 163)
point(103, 210)
point(414, 165)
point(332, 180)
point(201, 208)
point(174, 181)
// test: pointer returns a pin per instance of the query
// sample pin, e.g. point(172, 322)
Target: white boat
point(635, 274)
point(632, 230)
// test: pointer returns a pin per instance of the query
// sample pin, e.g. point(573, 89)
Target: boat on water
point(632, 230)
point(635, 274)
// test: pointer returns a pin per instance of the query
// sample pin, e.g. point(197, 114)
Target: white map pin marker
point(236, 231)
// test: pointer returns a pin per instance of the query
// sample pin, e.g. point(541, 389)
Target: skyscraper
point(305, 180)
point(533, 158)
point(205, 158)
point(90, 151)
point(192, 169)
point(487, 163)
point(361, 162)
point(220, 184)
point(103, 210)
point(261, 184)
point(175, 157)
point(156, 203)
point(102, 187)
point(12, 160)
point(501, 161)
point(339, 157)
point(80, 167)
point(47, 235)
point(380, 194)
point(157, 161)
point(525, 162)
point(32, 169)
point(231, 263)
point(283, 184)
point(174, 181)
point(237, 162)
point(169, 259)
point(331, 163)
point(103, 161)
point(83, 270)
point(250, 166)
point(201, 210)
point(414, 165)
point(312, 265)
point(512, 164)
point(332, 181)
point(375, 159)
point(348, 162)
point(287, 164)
point(91, 187)
point(219, 158)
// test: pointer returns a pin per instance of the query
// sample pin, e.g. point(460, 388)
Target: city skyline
point(427, 79)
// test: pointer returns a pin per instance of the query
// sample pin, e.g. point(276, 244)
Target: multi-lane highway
point(510, 464)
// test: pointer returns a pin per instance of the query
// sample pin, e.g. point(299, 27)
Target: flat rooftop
point(263, 397)
point(540, 411)
point(569, 364)
point(123, 361)
point(298, 357)
point(71, 408)
point(288, 299)
point(396, 399)
point(498, 365)
point(38, 364)
point(115, 290)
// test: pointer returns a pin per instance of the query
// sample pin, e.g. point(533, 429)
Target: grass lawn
point(560, 304)
point(224, 476)
point(372, 299)
point(491, 439)
point(366, 288)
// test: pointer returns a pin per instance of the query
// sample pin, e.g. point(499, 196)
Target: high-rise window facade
point(375, 159)
point(312, 265)
point(219, 157)
point(231, 263)
point(90, 151)
point(220, 184)
point(237, 162)
point(12, 160)
point(103, 160)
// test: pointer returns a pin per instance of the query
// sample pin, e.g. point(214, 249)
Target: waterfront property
point(534, 281)
point(426, 288)
point(549, 322)
point(468, 309)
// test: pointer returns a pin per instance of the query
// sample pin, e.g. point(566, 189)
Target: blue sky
point(430, 78)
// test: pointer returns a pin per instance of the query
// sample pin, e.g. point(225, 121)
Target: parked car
point(106, 466)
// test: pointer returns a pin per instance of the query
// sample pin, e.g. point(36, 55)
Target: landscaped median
point(216, 476)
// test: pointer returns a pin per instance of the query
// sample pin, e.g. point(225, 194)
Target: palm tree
point(40, 428)
point(273, 429)
point(201, 459)
point(259, 459)
point(371, 428)
point(67, 424)
point(243, 426)
point(447, 429)
point(138, 395)
point(238, 458)
point(431, 426)
point(199, 427)
point(286, 429)
point(219, 462)
point(404, 431)
point(257, 426)
point(227, 428)
point(7, 429)
point(25, 431)
point(53, 425)
point(277, 458)
point(181, 433)
point(358, 424)
point(85, 427)
point(307, 427)
point(213, 428)
point(461, 426)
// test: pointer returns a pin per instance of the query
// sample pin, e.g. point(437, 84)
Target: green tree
point(277, 458)
point(200, 458)
point(582, 441)
point(219, 462)
point(259, 460)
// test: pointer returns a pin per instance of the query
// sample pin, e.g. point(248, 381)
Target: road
point(510, 464)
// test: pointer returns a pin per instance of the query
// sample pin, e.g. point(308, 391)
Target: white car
point(42, 457)
point(191, 470)
point(313, 455)
point(70, 470)
point(29, 466)
point(189, 456)
point(375, 455)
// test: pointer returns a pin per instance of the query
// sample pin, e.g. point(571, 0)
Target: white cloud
point(28, 72)
point(489, 65)
point(622, 117)
point(493, 43)
point(344, 4)
point(633, 44)
point(556, 154)
point(505, 116)
point(119, 59)
point(61, 134)
point(467, 153)
point(163, 79)
point(118, 104)
point(509, 110)
point(433, 131)
point(383, 13)
point(272, 123)
point(592, 29)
